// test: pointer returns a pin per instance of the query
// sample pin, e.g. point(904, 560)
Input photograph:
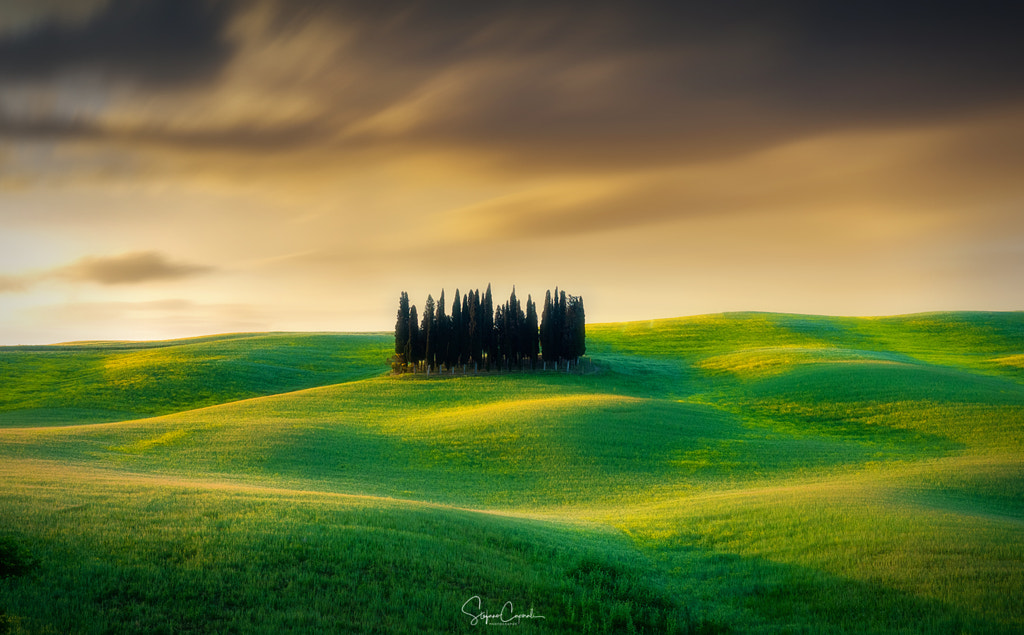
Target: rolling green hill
point(726, 473)
point(90, 382)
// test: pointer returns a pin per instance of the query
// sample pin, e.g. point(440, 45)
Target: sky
point(171, 168)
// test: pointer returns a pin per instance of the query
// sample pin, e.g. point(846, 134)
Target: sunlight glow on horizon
point(298, 170)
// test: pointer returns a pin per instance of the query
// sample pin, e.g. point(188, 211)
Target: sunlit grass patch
point(771, 361)
point(916, 427)
point(1013, 361)
point(881, 381)
point(158, 441)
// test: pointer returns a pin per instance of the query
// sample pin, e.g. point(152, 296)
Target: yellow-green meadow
point(725, 473)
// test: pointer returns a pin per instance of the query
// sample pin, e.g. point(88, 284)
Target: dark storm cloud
point(621, 84)
point(145, 41)
point(564, 86)
point(847, 56)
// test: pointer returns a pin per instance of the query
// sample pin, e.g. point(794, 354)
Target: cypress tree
point(508, 348)
point(487, 331)
point(475, 323)
point(569, 335)
point(467, 329)
point(402, 325)
point(581, 327)
point(441, 350)
point(545, 328)
point(427, 331)
point(455, 343)
point(512, 313)
point(530, 332)
point(522, 340)
point(413, 348)
point(555, 332)
point(498, 339)
point(564, 338)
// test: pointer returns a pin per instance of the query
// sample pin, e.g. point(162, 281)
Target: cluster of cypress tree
point(479, 334)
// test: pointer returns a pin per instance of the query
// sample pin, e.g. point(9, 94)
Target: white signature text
point(506, 617)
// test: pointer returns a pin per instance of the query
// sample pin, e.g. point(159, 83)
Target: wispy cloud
point(129, 269)
point(123, 269)
point(13, 283)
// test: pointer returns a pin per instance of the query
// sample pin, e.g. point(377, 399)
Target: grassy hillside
point(729, 473)
point(113, 381)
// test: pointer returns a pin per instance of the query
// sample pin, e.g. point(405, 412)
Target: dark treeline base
point(480, 336)
point(420, 370)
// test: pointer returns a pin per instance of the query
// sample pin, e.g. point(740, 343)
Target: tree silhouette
point(564, 338)
point(481, 334)
point(530, 333)
point(475, 326)
point(428, 332)
point(467, 330)
point(487, 337)
point(580, 328)
point(412, 348)
point(442, 327)
point(512, 313)
point(547, 348)
point(455, 341)
point(402, 325)
point(500, 325)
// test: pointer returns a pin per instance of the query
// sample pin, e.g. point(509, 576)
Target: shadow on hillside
point(756, 594)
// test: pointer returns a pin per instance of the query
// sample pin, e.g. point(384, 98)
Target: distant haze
point(182, 167)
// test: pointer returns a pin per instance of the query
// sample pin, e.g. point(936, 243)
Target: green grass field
point(728, 473)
